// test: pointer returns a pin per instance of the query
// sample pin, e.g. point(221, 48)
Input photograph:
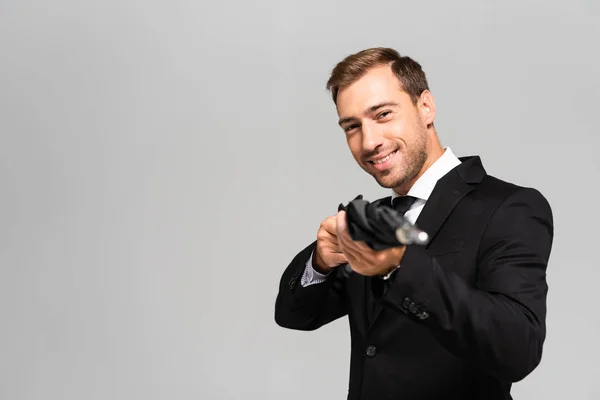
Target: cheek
point(355, 145)
point(398, 129)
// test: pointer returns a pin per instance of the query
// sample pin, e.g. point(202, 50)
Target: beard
point(409, 164)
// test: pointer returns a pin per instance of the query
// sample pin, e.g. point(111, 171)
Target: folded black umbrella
point(379, 225)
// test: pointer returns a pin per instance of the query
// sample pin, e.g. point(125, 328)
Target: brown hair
point(355, 66)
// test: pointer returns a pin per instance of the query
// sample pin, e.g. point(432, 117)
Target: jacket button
point(413, 308)
point(423, 316)
point(293, 281)
point(371, 350)
point(406, 303)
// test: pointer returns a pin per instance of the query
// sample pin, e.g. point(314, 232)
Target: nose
point(372, 137)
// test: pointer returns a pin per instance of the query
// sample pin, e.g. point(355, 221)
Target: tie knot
point(403, 203)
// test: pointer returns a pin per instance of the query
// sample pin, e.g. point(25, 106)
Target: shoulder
point(501, 191)
point(508, 204)
point(490, 189)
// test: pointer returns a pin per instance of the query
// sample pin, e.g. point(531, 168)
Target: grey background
point(161, 163)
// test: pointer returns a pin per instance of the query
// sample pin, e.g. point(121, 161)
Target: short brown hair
point(355, 66)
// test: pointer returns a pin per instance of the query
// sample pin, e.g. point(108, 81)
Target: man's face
point(387, 133)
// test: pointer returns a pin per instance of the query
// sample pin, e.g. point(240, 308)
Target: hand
point(363, 259)
point(328, 254)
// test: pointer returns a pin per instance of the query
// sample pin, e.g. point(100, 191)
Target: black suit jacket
point(463, 317)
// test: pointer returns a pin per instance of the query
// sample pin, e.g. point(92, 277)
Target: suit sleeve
point(309, 308)
point(498, 325)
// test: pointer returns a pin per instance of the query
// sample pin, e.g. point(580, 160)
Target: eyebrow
point(369, 111)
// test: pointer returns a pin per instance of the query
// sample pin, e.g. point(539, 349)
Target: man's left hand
point(363, 259)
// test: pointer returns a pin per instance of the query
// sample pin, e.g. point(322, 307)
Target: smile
point(384, 159)
point(384, 163)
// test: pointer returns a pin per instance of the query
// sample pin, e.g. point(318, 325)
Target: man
point(460, 318)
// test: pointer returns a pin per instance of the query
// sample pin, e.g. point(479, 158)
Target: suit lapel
point(448, 191)
point(440, 204)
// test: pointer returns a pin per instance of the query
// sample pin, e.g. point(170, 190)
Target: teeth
point(384, 159)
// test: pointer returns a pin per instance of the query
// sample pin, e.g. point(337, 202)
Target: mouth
point(384, 163)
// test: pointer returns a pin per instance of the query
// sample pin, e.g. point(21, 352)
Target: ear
point(427, 107)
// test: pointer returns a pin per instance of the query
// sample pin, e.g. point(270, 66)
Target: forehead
point(376, 86)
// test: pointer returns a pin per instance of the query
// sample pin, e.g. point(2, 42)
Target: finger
point(329, 225)
point(343, 237)
point(340, 220)
point(339, 258)
point(352, 254)
point(348, 247)
point(327, 237)
point(345, 242)
point(355, 251)
point(362, 247)
point(350, 259)
point(336, 249)
point(332, 248)
point(359, 253)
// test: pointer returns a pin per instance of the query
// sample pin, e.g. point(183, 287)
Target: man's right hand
point(328, 254)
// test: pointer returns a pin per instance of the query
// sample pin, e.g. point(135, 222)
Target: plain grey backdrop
point(162, 162)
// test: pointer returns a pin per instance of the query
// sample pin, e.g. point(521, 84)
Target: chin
point(391, 179)
point(388, 182)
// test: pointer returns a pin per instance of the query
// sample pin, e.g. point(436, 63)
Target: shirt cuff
point(310, 276)
point(389, 274)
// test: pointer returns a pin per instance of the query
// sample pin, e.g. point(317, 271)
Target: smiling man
point(460, 318)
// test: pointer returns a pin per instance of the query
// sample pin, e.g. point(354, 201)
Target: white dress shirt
point(421, 190)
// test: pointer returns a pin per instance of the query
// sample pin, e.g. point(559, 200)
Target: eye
point(384, 114)
point(350, 127)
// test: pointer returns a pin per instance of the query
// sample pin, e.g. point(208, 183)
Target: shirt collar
point(423, 187)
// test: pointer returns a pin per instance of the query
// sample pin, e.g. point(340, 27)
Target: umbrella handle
point(408, 233)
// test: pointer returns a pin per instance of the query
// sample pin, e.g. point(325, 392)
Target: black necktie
point(403, 203)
